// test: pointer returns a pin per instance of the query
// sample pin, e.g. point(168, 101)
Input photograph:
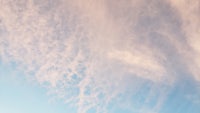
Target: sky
point(99, 56)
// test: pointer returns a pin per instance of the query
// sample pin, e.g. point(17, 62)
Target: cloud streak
point(92, 53)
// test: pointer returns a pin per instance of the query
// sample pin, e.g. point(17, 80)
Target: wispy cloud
point(190, 17)
point(91, 52)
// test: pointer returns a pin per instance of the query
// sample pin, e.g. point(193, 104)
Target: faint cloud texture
point(93, 53)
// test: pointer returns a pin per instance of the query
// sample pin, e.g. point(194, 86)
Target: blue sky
point(102, 56)
point(21, 96)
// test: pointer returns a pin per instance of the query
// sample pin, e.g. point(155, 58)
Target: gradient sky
point(99, 56)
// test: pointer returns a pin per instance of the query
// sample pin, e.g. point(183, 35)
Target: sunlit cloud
point(93, 53)
point(190, 17)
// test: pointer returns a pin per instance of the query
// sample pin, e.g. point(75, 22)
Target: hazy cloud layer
point(95, 53)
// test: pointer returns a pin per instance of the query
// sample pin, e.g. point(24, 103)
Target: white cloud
point(190, 17)
point(87, 50)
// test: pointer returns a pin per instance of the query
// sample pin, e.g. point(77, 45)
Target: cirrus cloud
point(90, 53)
